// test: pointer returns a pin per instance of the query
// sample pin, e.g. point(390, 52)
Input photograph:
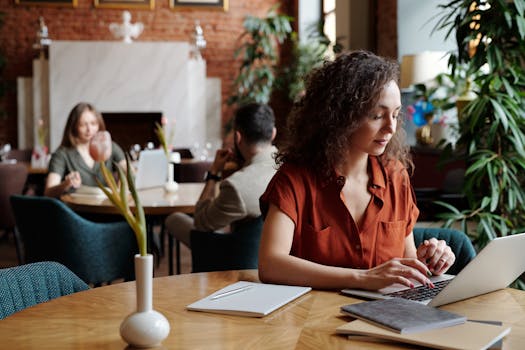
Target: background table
point(155, 201)
point(91, 319)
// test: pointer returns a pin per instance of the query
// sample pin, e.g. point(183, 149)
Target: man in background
point(238, 194)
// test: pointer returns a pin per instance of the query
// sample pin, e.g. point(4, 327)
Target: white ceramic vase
point(146, 327)
point(172, 185)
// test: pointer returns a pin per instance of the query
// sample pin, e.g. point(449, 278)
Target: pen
point(230, 292)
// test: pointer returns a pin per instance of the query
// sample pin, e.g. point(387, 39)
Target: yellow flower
point(41, 133)
point(100, 151)
point(160, 130)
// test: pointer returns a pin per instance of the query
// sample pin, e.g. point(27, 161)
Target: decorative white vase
point(39, 157)
point(146, 327)
point(172, 185)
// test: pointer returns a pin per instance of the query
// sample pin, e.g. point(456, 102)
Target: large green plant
point(305, 56)
point(259, 57)
point(491, 45)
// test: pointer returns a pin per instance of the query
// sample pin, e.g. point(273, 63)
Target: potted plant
point(145, 327)
point(259, 56)
point(491, 44)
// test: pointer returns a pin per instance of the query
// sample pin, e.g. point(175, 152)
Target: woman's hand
point(72, 180)
point(398, 270)
point(437, 255)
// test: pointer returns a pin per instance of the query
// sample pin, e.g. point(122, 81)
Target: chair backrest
point(12, 180)
point(27, 285)
point(191, 172)
point(458, 241)
point(238, 250)
point(97, 252)
point(22, 155)
point(185, 153)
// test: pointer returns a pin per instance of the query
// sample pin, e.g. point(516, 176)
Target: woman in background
point(71, 165)
point(340, 210)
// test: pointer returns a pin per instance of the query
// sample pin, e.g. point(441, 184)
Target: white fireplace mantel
point(137, 77)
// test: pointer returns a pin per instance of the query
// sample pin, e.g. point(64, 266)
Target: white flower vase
point(172, 185)
point(146, 327)
point(39, 157)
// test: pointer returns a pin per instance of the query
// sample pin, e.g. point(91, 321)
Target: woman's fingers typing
point(404, 271)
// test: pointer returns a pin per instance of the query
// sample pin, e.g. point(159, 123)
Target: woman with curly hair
point(340, 210)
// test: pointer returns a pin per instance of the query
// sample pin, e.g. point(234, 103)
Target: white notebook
point(249, 299)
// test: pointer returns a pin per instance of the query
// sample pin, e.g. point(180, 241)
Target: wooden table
point(155, 201)
point(91, 319)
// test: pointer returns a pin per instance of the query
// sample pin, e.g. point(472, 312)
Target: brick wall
point(85, 22)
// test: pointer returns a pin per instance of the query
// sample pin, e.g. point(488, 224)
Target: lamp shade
point(422, 67)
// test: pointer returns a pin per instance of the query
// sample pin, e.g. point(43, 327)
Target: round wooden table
point(91, 319)
point(155, 201)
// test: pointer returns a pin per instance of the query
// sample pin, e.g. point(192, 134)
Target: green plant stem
point(118, 196)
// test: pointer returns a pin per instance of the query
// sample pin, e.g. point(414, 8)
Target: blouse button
point(340, 180)
point(358, 246)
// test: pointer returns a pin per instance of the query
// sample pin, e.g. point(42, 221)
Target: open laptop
point(152, 169)
point(495, 267)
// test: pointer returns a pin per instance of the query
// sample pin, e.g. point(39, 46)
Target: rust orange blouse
point(324, 229)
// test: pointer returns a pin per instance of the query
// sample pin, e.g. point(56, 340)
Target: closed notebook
point(249, 299)
point(402, 315)
point(466, 336)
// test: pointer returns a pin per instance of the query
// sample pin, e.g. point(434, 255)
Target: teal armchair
point(96, 252)
point(238, 250)
point(27, 285)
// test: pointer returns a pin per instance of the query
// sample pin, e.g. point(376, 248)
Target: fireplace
point(129, 128)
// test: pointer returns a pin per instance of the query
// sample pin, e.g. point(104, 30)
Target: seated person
point(340, 210)
point(238, 197)
point(71, 165)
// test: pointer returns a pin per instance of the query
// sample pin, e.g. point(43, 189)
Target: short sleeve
point(283, 192)
point(117, 154)
point(412, 209)
point(58, 163)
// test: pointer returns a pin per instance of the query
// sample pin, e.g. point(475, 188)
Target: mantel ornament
point(42, 35)
point(199, 43)
point(126, 30)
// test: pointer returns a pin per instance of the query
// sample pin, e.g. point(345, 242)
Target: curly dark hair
point(338, 96)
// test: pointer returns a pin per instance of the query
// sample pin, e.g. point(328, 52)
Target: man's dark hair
point(255, 122)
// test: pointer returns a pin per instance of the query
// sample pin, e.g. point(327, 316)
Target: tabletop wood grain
point(155, 201)
point(91, 319)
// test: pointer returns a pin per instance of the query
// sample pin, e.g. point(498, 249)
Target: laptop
point(495, 267)
point(152, 169)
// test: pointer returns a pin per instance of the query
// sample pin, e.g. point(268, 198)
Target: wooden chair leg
point(19, 247)
point(162, 235)
point(177, 250)
point(170, 254)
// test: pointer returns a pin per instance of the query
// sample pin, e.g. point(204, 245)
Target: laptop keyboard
point(422, 292)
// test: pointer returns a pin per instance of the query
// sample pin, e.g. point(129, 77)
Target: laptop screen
point(152, 169)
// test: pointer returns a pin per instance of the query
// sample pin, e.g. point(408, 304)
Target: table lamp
point(422, 67)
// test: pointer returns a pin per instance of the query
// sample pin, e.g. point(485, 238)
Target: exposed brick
point(85, 22)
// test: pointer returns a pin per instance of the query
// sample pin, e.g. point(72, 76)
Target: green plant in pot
point(491, 44)
point(259, 56)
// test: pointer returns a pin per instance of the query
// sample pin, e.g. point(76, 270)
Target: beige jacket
point(239, 194)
